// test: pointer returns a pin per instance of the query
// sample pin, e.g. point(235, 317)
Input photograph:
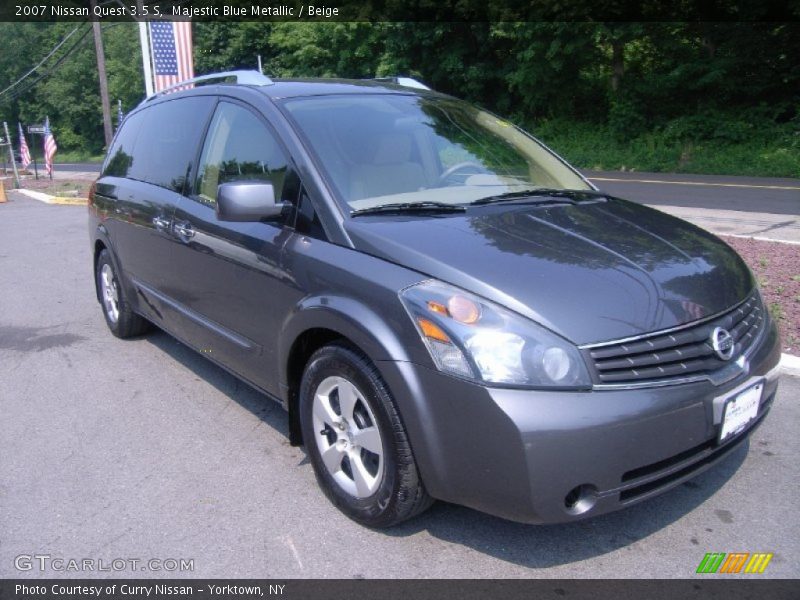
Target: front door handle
point(161, 223)
point(184, 230)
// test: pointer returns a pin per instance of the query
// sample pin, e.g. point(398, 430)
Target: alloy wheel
point(347, 436)
point(110, 293)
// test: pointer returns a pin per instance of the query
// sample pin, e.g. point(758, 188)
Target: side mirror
point(244, 201)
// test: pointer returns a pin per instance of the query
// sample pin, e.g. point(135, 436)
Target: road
point(752, 206)
point(143, 449)
point(745, 194)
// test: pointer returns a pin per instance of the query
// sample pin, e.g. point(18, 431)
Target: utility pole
point(11, 155)
point(144, 40)
point(101, 75)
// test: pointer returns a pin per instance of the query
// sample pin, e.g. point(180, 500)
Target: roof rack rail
point(238, 77)
point(404, 81)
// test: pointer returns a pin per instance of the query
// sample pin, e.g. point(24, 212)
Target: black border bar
point(705, 586)
point(404, 10)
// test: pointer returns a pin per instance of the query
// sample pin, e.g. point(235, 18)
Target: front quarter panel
point(350, 293)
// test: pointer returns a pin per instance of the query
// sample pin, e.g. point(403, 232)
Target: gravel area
point(58, 187)
point(777, 268)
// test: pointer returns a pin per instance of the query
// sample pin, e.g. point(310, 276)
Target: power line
point(16, 94)
point(53, 51)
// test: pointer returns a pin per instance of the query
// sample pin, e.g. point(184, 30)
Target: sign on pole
point(35, 129)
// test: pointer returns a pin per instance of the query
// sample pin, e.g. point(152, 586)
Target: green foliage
point(70, 94)
point(704, 96)
point(596, 146)
point(777, 312)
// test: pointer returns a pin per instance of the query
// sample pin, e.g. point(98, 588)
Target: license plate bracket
point(740, 411)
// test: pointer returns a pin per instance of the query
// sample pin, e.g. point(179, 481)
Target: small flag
point(120, 116)
point(171, 48)
point(49, 147)
point(24, 152)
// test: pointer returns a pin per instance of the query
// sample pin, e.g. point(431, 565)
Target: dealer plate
point(740, 410)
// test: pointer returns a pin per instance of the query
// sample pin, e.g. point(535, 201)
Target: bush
point(688, 144)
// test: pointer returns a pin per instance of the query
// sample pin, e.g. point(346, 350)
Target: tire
point(356, 441)
point(121, 320)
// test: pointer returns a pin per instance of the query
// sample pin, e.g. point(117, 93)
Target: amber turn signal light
point(432, 331)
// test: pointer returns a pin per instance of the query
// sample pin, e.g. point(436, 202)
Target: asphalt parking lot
point(143, 449)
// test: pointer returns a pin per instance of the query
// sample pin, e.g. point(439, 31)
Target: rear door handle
point(184, 230)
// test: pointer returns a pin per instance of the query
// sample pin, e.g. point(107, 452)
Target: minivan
point(444, 307)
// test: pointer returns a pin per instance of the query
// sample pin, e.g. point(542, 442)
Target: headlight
point(473, 338)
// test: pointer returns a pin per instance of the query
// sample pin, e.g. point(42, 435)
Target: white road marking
point(702, 183)
point(291, 545)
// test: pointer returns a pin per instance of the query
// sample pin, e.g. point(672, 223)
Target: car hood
point(592, 271)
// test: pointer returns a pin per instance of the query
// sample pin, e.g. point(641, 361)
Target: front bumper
point(524, 455)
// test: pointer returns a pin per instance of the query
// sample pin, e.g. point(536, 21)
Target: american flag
point(171, 44)
point(49, 147)
point(24, 153)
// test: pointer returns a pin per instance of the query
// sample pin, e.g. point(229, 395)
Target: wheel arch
point(318, 322)
point(99, 246)
point(102, 242)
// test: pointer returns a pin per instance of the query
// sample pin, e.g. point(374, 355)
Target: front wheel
point(121, 320)
point(356, 441)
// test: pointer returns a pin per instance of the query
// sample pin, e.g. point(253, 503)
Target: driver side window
point(238, 147)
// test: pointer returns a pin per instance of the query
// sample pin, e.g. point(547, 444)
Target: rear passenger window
point(168, 141)
point(120, 155)
point(239, 147)
point(157, 144)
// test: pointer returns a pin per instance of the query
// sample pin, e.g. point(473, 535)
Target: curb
point(790, 364)
point(758, 238)
point(48, 199)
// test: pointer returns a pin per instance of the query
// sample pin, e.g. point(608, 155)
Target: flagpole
point(32, 148)
point(147, 65)
point(48, 162)
point(25, 160)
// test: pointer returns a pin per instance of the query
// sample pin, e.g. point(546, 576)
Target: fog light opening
point(580, 499)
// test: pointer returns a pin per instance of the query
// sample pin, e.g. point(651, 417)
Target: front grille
point(682, 352)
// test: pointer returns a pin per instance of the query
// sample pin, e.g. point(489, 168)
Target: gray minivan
point(444, 307)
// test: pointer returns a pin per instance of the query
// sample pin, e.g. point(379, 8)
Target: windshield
point(391, 149)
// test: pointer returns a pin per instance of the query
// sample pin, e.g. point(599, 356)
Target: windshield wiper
point(543, 195)
point(409, 207)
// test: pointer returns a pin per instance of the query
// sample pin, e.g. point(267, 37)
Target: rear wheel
point(356, 441)
point(121, 320)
